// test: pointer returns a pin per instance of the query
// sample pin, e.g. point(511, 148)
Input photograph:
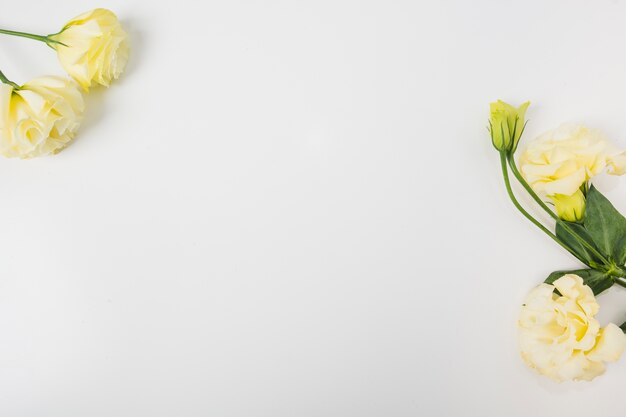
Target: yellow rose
point(93, 47)
point(560, 161)
point(39, 118)
point(559, 336)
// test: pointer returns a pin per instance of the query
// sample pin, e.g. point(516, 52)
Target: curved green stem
point(509, 190)
point(5, 80)
point(543, 205)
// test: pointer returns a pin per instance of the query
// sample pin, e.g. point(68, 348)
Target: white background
point(292, 208)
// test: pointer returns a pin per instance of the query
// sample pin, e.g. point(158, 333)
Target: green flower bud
point(506, 124)
point(570, 208)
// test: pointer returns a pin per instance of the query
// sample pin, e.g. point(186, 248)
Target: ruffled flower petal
point(559, 335)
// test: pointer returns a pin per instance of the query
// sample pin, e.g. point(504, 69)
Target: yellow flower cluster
point(558, 333)
point(41, 116)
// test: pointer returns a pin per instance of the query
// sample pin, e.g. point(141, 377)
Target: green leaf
point(606, 226)
point(597, 280)
point(578, 248)
point(620, 251)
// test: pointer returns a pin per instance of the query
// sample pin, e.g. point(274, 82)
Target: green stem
point(5, 80)
point(620, 281)
point(509, 190)
point(45, 39)
point(617, 272)
point(543, 205)
point(25, 35)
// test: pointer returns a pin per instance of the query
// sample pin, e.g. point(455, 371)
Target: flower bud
point(506, 124)
point(570, 208)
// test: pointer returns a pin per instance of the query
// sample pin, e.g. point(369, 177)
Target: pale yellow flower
point(559, 335)
point(39, 118)
point(560, 161)
point(93, 47)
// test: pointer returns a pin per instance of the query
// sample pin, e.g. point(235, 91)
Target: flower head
point(559, 164)
point(39, 118)
point(92, 47)
point(506, 124)
point(559, 335)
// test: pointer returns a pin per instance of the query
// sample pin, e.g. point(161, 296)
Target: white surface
point(292, 208)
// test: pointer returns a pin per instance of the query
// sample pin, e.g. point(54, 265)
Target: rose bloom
point(559, 336)
point(560, 161)
point(93, 48)
point(39, 118)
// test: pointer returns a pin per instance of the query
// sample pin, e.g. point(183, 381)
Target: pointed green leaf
point(573, 243)
point(596, 280)
point(606, 226)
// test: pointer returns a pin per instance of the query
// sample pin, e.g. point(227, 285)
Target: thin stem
point(528, 188)
point(509, 190)
point(5, 80)
point(620, 281)
point(543, 205)
point(45, 39)
point(25, 35)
